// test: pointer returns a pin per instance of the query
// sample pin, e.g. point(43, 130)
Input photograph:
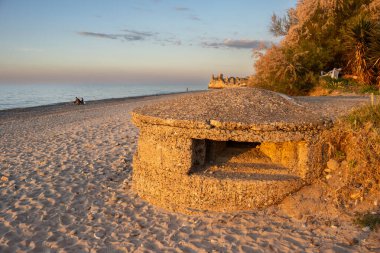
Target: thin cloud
point(139, 33)
point(189, 13)
point(238, 44)
point(99, 35)
point(211, 44)
point(195, 18)
point(128, 35)
point(134, 35)
point(179, 8)
point(175, 42)
point(246, 43)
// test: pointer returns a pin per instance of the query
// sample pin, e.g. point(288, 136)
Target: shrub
point(358, 40)
point(319, 36)
point(356, 138)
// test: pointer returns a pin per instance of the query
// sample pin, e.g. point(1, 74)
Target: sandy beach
point(66, 187)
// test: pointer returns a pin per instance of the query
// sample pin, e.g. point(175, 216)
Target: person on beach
point(79, 101)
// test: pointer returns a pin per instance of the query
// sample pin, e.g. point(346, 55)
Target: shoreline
point(70, 106)
point(99, 100)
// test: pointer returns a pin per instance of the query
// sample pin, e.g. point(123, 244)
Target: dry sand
point(68, 190)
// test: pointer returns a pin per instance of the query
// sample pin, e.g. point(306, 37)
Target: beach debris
point(78, 101)
point(4, 179)
point(334, 73)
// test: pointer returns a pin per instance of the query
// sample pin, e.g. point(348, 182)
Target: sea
point(30, 95)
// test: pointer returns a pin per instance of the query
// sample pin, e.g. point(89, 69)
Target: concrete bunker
point(225, 150)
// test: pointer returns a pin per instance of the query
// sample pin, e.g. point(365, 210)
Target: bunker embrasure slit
point(210, 155)
point(238, 160)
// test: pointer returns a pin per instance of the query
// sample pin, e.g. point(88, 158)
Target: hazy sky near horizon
point(131, 41)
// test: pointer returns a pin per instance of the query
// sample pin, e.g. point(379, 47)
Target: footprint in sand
point(66, 219)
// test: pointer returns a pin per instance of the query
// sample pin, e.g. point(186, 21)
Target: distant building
point(221, 82)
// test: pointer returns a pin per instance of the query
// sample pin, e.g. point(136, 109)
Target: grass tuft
point(368, 115)
point(354, 142)
point(368, 220)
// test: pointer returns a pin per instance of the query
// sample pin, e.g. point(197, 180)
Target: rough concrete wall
point(161, 176)
point(193, 193)
point(220, 134)
point(165, 152)
point(303, 158)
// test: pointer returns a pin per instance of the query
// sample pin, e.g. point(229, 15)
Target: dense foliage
point(321, 35)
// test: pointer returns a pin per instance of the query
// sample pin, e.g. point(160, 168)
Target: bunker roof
point(240, 108)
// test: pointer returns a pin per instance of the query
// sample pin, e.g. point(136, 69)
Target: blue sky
point(131, 41)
